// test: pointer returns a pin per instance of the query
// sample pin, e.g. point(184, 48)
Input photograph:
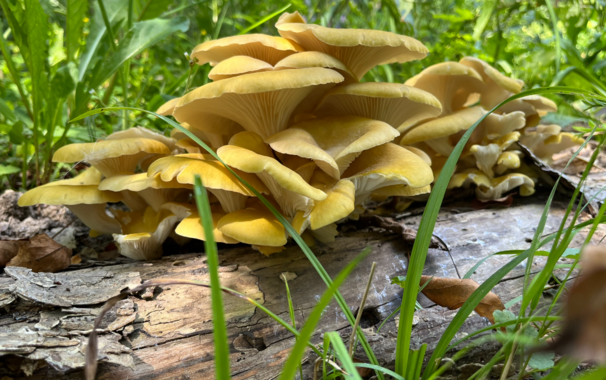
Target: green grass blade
point(598, 374)
point(265, 19)
point(556, 33)
point(294, 359)
point(421, 246)
point(291, 312)
point(212, 257)
point(343, 355)
point(380, 369)
point(306, 250)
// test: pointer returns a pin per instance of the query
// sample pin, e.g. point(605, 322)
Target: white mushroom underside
point(146, 247)
point(289, 201)
point(230, 201)
point(95, 217)
point(110, 167)
point(441, 146)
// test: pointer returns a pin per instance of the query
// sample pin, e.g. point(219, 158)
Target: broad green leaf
point(36, 27)
point(7, 112)
point(8, 169)
point(17, 133)
point(143, 35)
point(98, 30)
point(74, 20)
point(542, 360)
point(488, 8)
point(15, 15)
point(148, 9)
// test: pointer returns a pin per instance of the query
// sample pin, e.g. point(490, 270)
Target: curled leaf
point(9, 249)
point(41, 254)
point(453, 292)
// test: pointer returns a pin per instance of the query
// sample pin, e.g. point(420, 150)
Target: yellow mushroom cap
point(333, 142)
point(443, 126)
point(396, 104)
point(192, 228)
point(167, 108)
point(386, 165)
point(451, 82)
point(144, 233)
point(498, 86)
point(492, 188)
point(251, 141)
point(251, 162)
point(260, 46)
point(308, 59)
point(260, 102)
point(112, 156)
point(256, 226)
point(143, 133)
point(90, 176)
point(555, 144)
point(359, 49)
point(238, 65)
point(139, 182)
point(214, 174)
point(87, 202)
point(339, 203)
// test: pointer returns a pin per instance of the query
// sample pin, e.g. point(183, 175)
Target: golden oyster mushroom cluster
point(289, 115)
point(491, 160)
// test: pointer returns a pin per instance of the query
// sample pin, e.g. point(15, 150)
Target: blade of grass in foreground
point(296, 237)
point(343, 355)
point(212, 257)
point(294, 359)
point(425, 231)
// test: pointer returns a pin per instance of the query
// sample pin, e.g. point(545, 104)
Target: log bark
point(166, 333)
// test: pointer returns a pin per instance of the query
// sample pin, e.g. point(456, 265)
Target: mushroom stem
point(230, 201)
point(289, 201)
point(95, 217)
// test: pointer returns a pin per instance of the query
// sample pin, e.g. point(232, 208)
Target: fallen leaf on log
point(9, 249)
point(41, 254)
point(584, 333)
point(453, 292)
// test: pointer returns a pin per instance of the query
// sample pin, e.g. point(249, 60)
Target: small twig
point(361, 310)
point(63, 229)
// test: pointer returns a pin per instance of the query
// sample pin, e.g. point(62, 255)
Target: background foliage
point(59, 58)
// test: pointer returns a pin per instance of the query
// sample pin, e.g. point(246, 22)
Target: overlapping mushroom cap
point(332, 142)
point(359, 49)
point(450, 82)
point(111, 157)
point(81, 196)
point(260, 102)
point(396, 104)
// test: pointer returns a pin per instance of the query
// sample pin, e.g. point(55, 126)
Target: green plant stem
point(556, 33)
point(352, 339)
point(13, 71)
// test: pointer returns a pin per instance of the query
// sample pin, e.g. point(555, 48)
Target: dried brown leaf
point(42, 254)
point(8, 250)
point(453, 292)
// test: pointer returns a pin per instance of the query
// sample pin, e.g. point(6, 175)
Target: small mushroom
point(498, 86)
point(152, 189)
point(144, 232)
point(386, 165)
point(288, 188)
point(488, 155)
point(339, 202)
point(230, 192)
point(260, 46)
point(359, 49)
point(82, 197)
point(396, 104)
point(192, 228)
point(254, 225)
point(555, 144)
point(260, 102)
point(332, 142)
point(492, 188)
point(112, 157)
point(450, 82)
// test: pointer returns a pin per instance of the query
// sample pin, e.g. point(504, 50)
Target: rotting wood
point(168, 334)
